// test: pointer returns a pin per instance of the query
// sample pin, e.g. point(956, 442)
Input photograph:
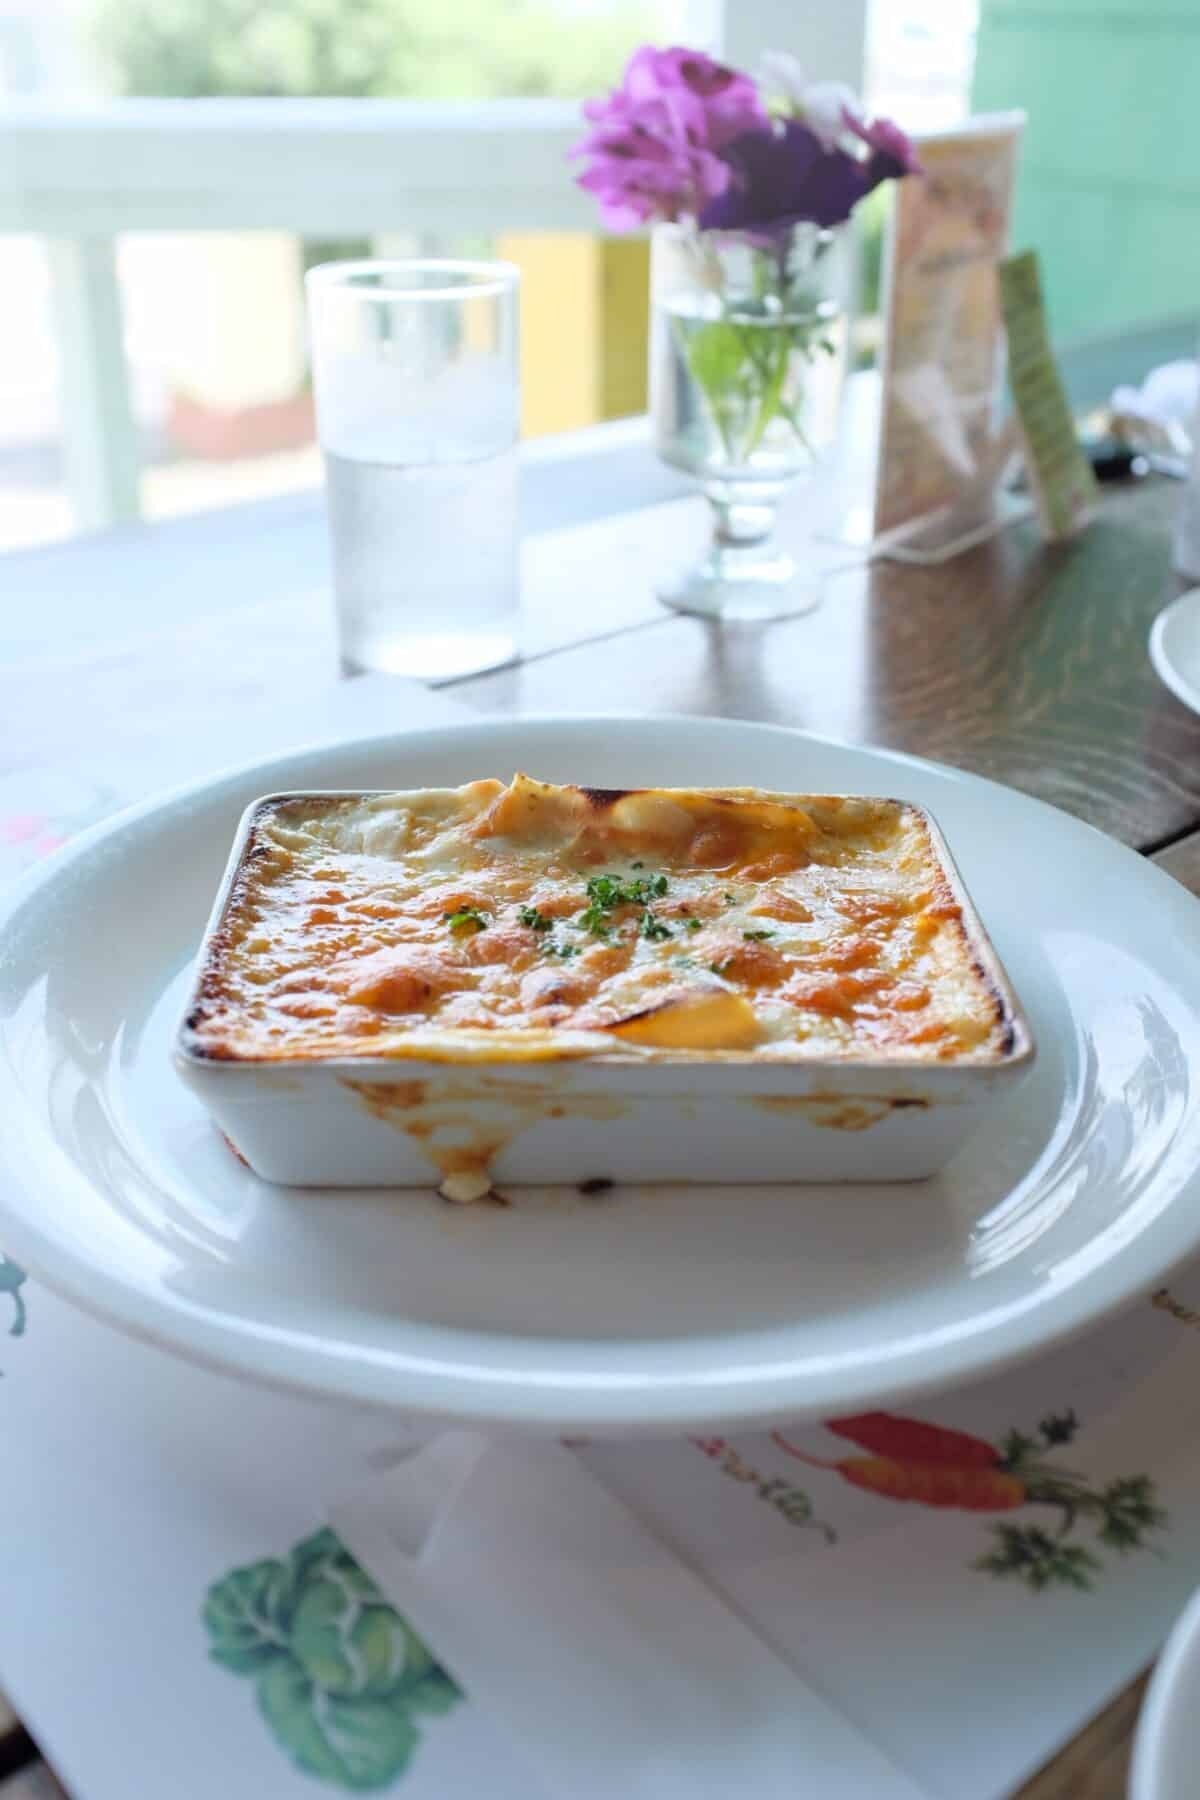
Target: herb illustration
point(12, 1280)
point(340, 1678)
point(929, 1465)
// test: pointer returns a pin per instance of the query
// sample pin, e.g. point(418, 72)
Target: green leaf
point(1016, 1448)
point(359, 1744)
point(12, 1280)
point(1129, 1510)
point(436, 1692)
point(347, 1638)
point(716, 355)
point(1028, 1554)
point(1058, 1428)
point(314, 1549)
point(246, 1616)
point(594, 918)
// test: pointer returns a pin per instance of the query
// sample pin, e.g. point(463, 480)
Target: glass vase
point(746, 359)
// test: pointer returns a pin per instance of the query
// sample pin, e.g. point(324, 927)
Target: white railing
point(80, 175)
point(313, 166)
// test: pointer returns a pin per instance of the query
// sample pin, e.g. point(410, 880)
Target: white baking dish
point(621, 1116)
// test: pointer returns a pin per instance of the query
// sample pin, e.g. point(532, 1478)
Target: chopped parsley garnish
point(563, 950)
point(693, 924)
point(467, 918)
point(595, 919)
point(536, 921)
point(732, 898)
point(653, 928)
point(609, 890)
point(606, 892)
point(719, 968)
point(756, 937)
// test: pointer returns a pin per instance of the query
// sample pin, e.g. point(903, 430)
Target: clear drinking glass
point(415, 375)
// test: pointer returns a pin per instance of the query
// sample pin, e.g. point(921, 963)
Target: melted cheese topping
point(533, 920)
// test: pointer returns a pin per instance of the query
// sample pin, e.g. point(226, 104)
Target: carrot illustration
point(920, 1463)
point(910, 1440)
point(931, 1465)
point(934, 1484)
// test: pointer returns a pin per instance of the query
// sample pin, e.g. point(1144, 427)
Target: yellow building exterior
point(585, 312)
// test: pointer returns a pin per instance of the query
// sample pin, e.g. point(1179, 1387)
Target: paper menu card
point(1059, 474)
point(615, 1668)
point(941, 447)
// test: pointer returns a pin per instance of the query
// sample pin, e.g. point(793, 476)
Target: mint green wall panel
point(1109, 185)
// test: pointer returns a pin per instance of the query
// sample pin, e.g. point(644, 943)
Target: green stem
point(683, 344)
point(789, 413)
point(769, 400)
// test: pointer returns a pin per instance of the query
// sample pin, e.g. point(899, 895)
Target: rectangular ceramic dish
point(537, 984)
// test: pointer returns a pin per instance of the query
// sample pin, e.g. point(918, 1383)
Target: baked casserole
point(498, 925)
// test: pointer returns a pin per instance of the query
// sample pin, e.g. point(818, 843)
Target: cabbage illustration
point(341, 1678)
point(346, 1637)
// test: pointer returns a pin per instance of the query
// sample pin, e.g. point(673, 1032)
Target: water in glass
point(416, 381)
point(425, 562)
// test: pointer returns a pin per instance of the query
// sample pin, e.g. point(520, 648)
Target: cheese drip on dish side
point(660, 919)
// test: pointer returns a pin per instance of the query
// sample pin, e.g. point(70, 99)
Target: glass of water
point(415, 373)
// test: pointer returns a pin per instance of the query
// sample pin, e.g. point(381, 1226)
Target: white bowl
point(1175, 647)
point(1166, 1751)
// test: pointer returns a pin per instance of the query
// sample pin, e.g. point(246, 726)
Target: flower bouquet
point(744, 183)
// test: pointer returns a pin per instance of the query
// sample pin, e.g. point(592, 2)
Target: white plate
point(1175, 647)
point(1166, 1751)
point(655, 1309)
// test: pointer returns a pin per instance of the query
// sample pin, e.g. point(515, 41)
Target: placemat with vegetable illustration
point(968, 1577)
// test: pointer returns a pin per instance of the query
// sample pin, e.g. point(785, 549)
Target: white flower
point(823, 107)
point(780, 74)
point(820, 104)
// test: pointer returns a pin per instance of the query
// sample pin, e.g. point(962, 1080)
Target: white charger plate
point(654, 1310)
point(1175, 647)
point(1166, 1750)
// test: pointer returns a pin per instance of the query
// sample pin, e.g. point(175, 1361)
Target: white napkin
point(611, 1664)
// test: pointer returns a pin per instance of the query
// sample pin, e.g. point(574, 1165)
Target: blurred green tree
point(467, 49)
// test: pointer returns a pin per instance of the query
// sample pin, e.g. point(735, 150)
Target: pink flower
point(653, 148)
point(893, 153)
point(731, 101)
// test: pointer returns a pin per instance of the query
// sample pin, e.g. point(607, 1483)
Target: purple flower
point(893, 153)
point(653, 148)
point(783, 178)
point(791, 175)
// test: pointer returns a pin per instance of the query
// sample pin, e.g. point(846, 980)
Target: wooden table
point(1021, 663)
